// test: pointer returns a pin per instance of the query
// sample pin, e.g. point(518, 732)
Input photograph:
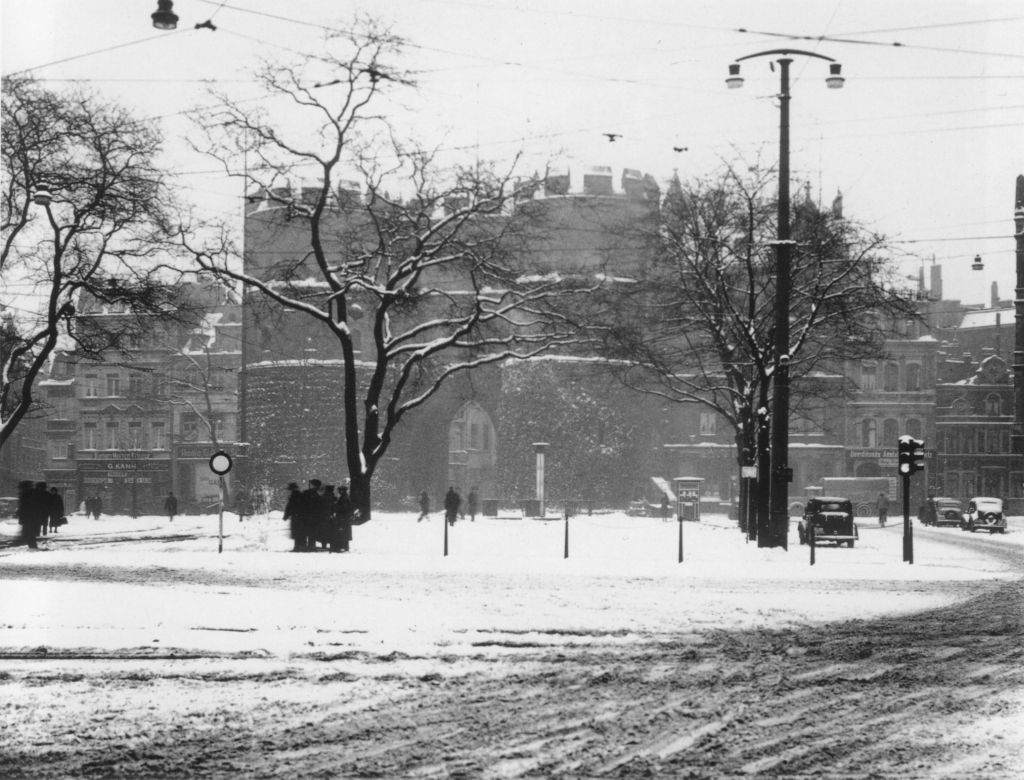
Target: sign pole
point(220, 464)
point(908, 531)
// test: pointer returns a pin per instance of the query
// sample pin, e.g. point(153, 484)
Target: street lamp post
point(781, 473)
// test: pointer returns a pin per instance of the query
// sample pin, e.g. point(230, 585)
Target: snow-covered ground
point(143, 620)
point(398, 588)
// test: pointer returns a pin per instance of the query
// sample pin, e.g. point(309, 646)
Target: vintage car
point(941, 510)
point(832, 520)
point(984, 514)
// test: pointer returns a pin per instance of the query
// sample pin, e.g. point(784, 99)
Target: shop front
point(127, 482)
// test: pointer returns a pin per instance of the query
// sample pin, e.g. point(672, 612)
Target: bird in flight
point(613, 136)
point(680, 148)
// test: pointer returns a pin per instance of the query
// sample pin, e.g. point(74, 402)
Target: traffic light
point(911, 455)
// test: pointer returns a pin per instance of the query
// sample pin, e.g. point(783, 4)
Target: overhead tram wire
point(115, 47)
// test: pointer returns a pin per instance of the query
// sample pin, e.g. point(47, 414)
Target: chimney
point(995, 295)
point(936, 282)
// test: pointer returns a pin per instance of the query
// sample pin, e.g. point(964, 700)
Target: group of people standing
point(320, 514)
point(39, 510)
point(452, 505)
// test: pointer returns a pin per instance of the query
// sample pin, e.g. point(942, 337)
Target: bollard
point(445, 524)
point(566, 553)
point(810, 536)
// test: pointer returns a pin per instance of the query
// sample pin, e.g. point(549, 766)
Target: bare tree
point(82, 206)
point(698, 327)
point(429, 275)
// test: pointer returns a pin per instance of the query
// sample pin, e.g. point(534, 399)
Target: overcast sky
point(925, 140)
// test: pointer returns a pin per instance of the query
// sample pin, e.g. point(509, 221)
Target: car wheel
point(850, 543)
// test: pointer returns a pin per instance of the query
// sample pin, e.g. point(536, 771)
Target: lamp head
point(163, 17)
point(835, 80)
point(977, 265)
point(42, 196)
point(735, 80)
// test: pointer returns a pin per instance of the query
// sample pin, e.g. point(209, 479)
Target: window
point(91, 384)
point(914, 428)
point(868, 378)
point(61, 406)
point(190, 429)
point(59, 450)
point(158, 435)
point(134, 436)
point(890, 432)
point(110, 436)
point(708, 423)
point(993, 407)
point(113, 384)
point(89, 436)
point(892, 378)
point(913, 377)
point(868, 433)
point(135, 386)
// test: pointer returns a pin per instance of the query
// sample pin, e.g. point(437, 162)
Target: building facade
point(131, 429)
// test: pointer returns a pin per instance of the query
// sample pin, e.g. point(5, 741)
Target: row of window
point(113, 385)
point(136, 435)
point(975, 439)
point(890, 377)
point(890, 431)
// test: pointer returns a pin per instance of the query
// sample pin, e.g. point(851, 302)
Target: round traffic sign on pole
point(220, 463)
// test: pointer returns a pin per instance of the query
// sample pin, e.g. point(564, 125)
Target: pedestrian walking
point(96, 508)
point(452, 501)
point(28, 514)
point(324, 531)
point(473, 503)
point(424, 507)
point(342, 537)
point(55, 507)
point(292, 515)
point(883, 509)
point(171, 506)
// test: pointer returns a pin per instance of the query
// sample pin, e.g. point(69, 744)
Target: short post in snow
point(566, 553)
point(810, 540)
point(445, 524)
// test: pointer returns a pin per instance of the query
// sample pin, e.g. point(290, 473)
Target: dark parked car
point(832, 518)
point(984, 514)
point(943, 511)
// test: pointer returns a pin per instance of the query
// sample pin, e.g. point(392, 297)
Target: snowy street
point(132, 648)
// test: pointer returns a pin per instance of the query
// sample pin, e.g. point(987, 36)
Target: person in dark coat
point(342, 536)
point(171, 506)
point(424, 507)
point(291, 514)
point(452, 501)
point(310, 512)
point(56, 510)
point(28, 514)
point(41, 508)
point(473, 503)
point(97, 507)
point(324, 531)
